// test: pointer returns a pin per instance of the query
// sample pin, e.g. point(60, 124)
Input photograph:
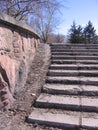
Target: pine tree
point(90, 33)
point(79, 35)
point(75, 34)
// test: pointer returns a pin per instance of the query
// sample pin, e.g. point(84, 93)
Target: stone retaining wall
point(18, 42)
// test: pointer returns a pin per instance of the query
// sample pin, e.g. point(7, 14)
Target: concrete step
point(68, 102)
point(83, 90)
point(75, 45)
point(75, 53)
point(73, 67)
point(85, 73)
point(74, 61)
point(74, 57)
point(73, 80)
point(75, 50)
point(66, 120)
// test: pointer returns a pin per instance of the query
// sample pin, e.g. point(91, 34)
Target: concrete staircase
point(69, 99)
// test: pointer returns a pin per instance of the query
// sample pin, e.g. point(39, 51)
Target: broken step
point(73, 80)
point(67, 102)
point(66, 120)
point(83, 90)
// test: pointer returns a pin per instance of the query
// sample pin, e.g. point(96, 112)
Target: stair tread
point(73, 71)
point(70, 102)
point(73, 56)
point(75, 65)
point(75, 59)
point(58, 99)
point(54, 119)
point(81, 78)
point(71, 87)
point(64, 119)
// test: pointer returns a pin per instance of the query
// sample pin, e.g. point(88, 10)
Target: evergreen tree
point(79, 35)
point(90, 33)
point(75, 34)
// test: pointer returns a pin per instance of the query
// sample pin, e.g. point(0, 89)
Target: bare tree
point(46, 21)
point(43, 13)
point(22, 8)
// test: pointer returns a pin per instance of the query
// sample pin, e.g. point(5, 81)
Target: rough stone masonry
point(18, 42)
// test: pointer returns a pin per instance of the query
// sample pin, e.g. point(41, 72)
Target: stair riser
point(72, 74)
point(54, 124)
point(74, 54)
point(74, 48)
point(67, 92)
point(72, 82)
point(57, 106)
point(72, 68)
point(68, 48)
point(70, 51)
point(73, 58)
point(75, 45)
point(71, 62)
point(72, 107)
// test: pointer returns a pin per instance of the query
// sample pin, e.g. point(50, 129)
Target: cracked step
point(83, 90)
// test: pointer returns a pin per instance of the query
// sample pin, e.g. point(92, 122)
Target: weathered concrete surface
point(73, 67)
point(71, 89)
point(18, 43)
point(90, 123)
point(68, 102)
point(74, 57)
point(58, 101)
point(50, 119)
point(61, 89)
point(71, 85)
point(64, 119)
point(74, 61)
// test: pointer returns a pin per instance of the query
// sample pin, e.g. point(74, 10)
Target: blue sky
point(80, 11)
